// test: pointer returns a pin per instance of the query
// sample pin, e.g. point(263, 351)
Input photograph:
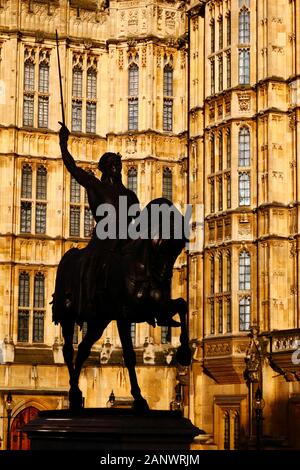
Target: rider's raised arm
point(81, 176)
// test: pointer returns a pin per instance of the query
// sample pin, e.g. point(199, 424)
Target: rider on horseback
point(95, 264)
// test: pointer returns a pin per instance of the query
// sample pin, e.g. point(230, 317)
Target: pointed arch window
point(244, 189)
point(244, 26)
point(132, 179)
point(220, 32)
point(167, 184)
point(133, 92)
point(29, 85)
point(23, 303)
point(212, 36)
point(26, 184)
point(91, 96)
point(244, 271)
point(43, 98)
point(168, 98)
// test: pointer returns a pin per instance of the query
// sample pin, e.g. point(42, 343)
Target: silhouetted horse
point(133, 284)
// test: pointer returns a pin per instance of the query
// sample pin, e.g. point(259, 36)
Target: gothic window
point(74, 208)
point(244, 66)
point(244, 313)
point(220, 194)
point(168, 115)
point(24, 290)
point(40, 218)
point(244, 189)
point(228, 26)
point(165, 336)
point(31, 91)
point(76, 116)
point(212, 276)
point(220, 151)
point(237, 431)
point(74, 221)
point(220, 325)
point(244, 146)
point(75, 191)
point(88, 222)
point(133, 333)
point(77, 82)
point(91, 95)
point(244, 26)
point(226, 431)
point(132, 179)
point(133, 91)
point(221, 32)
point(228, 182)
point(220, 73)
point(229, 316)
point(228, 69)
point(31, 305)
point(25, 223)
point(212, 318)
point(29, 88)
point(228, 272)
point(91, 86)
point(228, 148)
point(77, 98)
point(220, 273)
point(212, 196)
point(212, 154)
point(244, 271)
point(38, 305)
point(26, 183)
point(212, 76)
point(43, 95)
point(167, 184)
point(41, 183)
point(26, 193)
point(212, 36)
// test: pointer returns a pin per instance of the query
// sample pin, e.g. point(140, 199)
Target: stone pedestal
point(104, 429)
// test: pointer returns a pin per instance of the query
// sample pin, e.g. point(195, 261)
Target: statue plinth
point(104, 429)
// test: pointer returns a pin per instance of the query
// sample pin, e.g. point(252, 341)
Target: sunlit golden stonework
point(202, 101)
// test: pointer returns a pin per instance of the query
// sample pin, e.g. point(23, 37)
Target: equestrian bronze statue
point(123, 279)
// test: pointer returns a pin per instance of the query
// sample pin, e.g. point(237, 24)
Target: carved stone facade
point(246, 136)
point(102, 40)
point(242, 99)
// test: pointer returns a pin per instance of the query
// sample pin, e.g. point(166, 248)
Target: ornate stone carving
point(170, 19)
point(218, 349)
point(121, 59)
point(131, 144)
point(244, 102)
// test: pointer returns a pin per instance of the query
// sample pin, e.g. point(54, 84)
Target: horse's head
point(167, 231)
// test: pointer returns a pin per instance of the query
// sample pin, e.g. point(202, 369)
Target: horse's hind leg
point(68, 353)
point(130, 362)
point(94, 332)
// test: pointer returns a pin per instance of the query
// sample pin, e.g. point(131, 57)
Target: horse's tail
point(63, 284)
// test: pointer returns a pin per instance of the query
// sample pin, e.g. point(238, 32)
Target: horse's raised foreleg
point(94, 332)
point(183, 353)
point(130, 362)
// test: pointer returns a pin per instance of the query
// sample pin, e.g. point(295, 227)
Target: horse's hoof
point(75, 400)
point(140, 405)
point(184, 356)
